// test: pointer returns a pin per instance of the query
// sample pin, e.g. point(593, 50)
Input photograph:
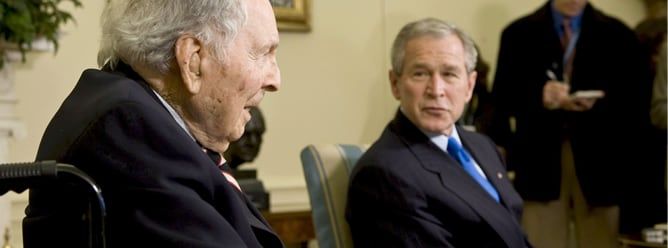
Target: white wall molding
point(10, 127)
point(288, 198)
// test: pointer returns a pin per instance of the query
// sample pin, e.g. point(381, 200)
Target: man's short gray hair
point(435, 28)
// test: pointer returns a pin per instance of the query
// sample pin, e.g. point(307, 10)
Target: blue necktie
point(457, 151)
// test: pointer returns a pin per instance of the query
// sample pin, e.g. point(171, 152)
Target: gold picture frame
point(292, 15)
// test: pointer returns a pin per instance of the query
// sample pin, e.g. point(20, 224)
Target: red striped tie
point(224, 167)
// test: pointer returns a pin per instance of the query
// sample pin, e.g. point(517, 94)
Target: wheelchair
point(18, 177)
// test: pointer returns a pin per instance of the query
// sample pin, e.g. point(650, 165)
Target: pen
point(551, 75)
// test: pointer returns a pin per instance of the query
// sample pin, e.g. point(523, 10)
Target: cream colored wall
point(334, 78)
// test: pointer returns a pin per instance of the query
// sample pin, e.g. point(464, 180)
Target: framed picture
point(292, 15)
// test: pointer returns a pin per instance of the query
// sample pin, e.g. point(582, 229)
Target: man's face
point(569, 8)
point(239, 82)
point(434, 86)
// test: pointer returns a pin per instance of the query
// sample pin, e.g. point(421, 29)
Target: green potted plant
point(22, 22)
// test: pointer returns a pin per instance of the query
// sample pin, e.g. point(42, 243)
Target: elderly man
point(177, 81)
point(427, 182)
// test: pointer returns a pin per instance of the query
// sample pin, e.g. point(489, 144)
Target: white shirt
point(175, 115)
point(441, 141)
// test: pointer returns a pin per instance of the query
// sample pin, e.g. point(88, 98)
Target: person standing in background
point(479, 109)
point(570, 153)
point(658, 111)
point(644, 201)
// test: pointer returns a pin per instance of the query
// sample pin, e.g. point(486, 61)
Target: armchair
point(327, 169)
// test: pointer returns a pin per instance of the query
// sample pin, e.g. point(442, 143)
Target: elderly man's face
point(434, 86)
point(240, 81)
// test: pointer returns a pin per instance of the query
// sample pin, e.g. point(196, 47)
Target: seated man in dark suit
point(427, 182)
point(178, 80)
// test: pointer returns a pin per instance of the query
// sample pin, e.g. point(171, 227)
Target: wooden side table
point(295, 228)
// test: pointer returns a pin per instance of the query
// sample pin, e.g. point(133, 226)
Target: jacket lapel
point(463, 186)
point(490, 165)
point(255, 218)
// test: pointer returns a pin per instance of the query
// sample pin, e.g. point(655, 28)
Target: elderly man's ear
point(188, 50)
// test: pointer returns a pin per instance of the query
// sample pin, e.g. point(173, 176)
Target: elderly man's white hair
point(143, 32)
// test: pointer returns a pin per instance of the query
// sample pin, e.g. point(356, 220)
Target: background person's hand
point(554, 94)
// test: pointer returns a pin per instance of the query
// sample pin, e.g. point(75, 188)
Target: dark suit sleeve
point(158, 193)
point(385, 211)
point(501, 95)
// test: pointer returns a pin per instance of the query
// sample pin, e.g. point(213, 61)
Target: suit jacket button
point(499, 175)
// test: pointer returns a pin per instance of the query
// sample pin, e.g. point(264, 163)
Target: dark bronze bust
point(245, 150)
point(247, 147)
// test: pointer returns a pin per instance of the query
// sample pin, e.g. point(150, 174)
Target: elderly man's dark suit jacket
point(161, 189)
point(407, 192)
point(604, 139)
